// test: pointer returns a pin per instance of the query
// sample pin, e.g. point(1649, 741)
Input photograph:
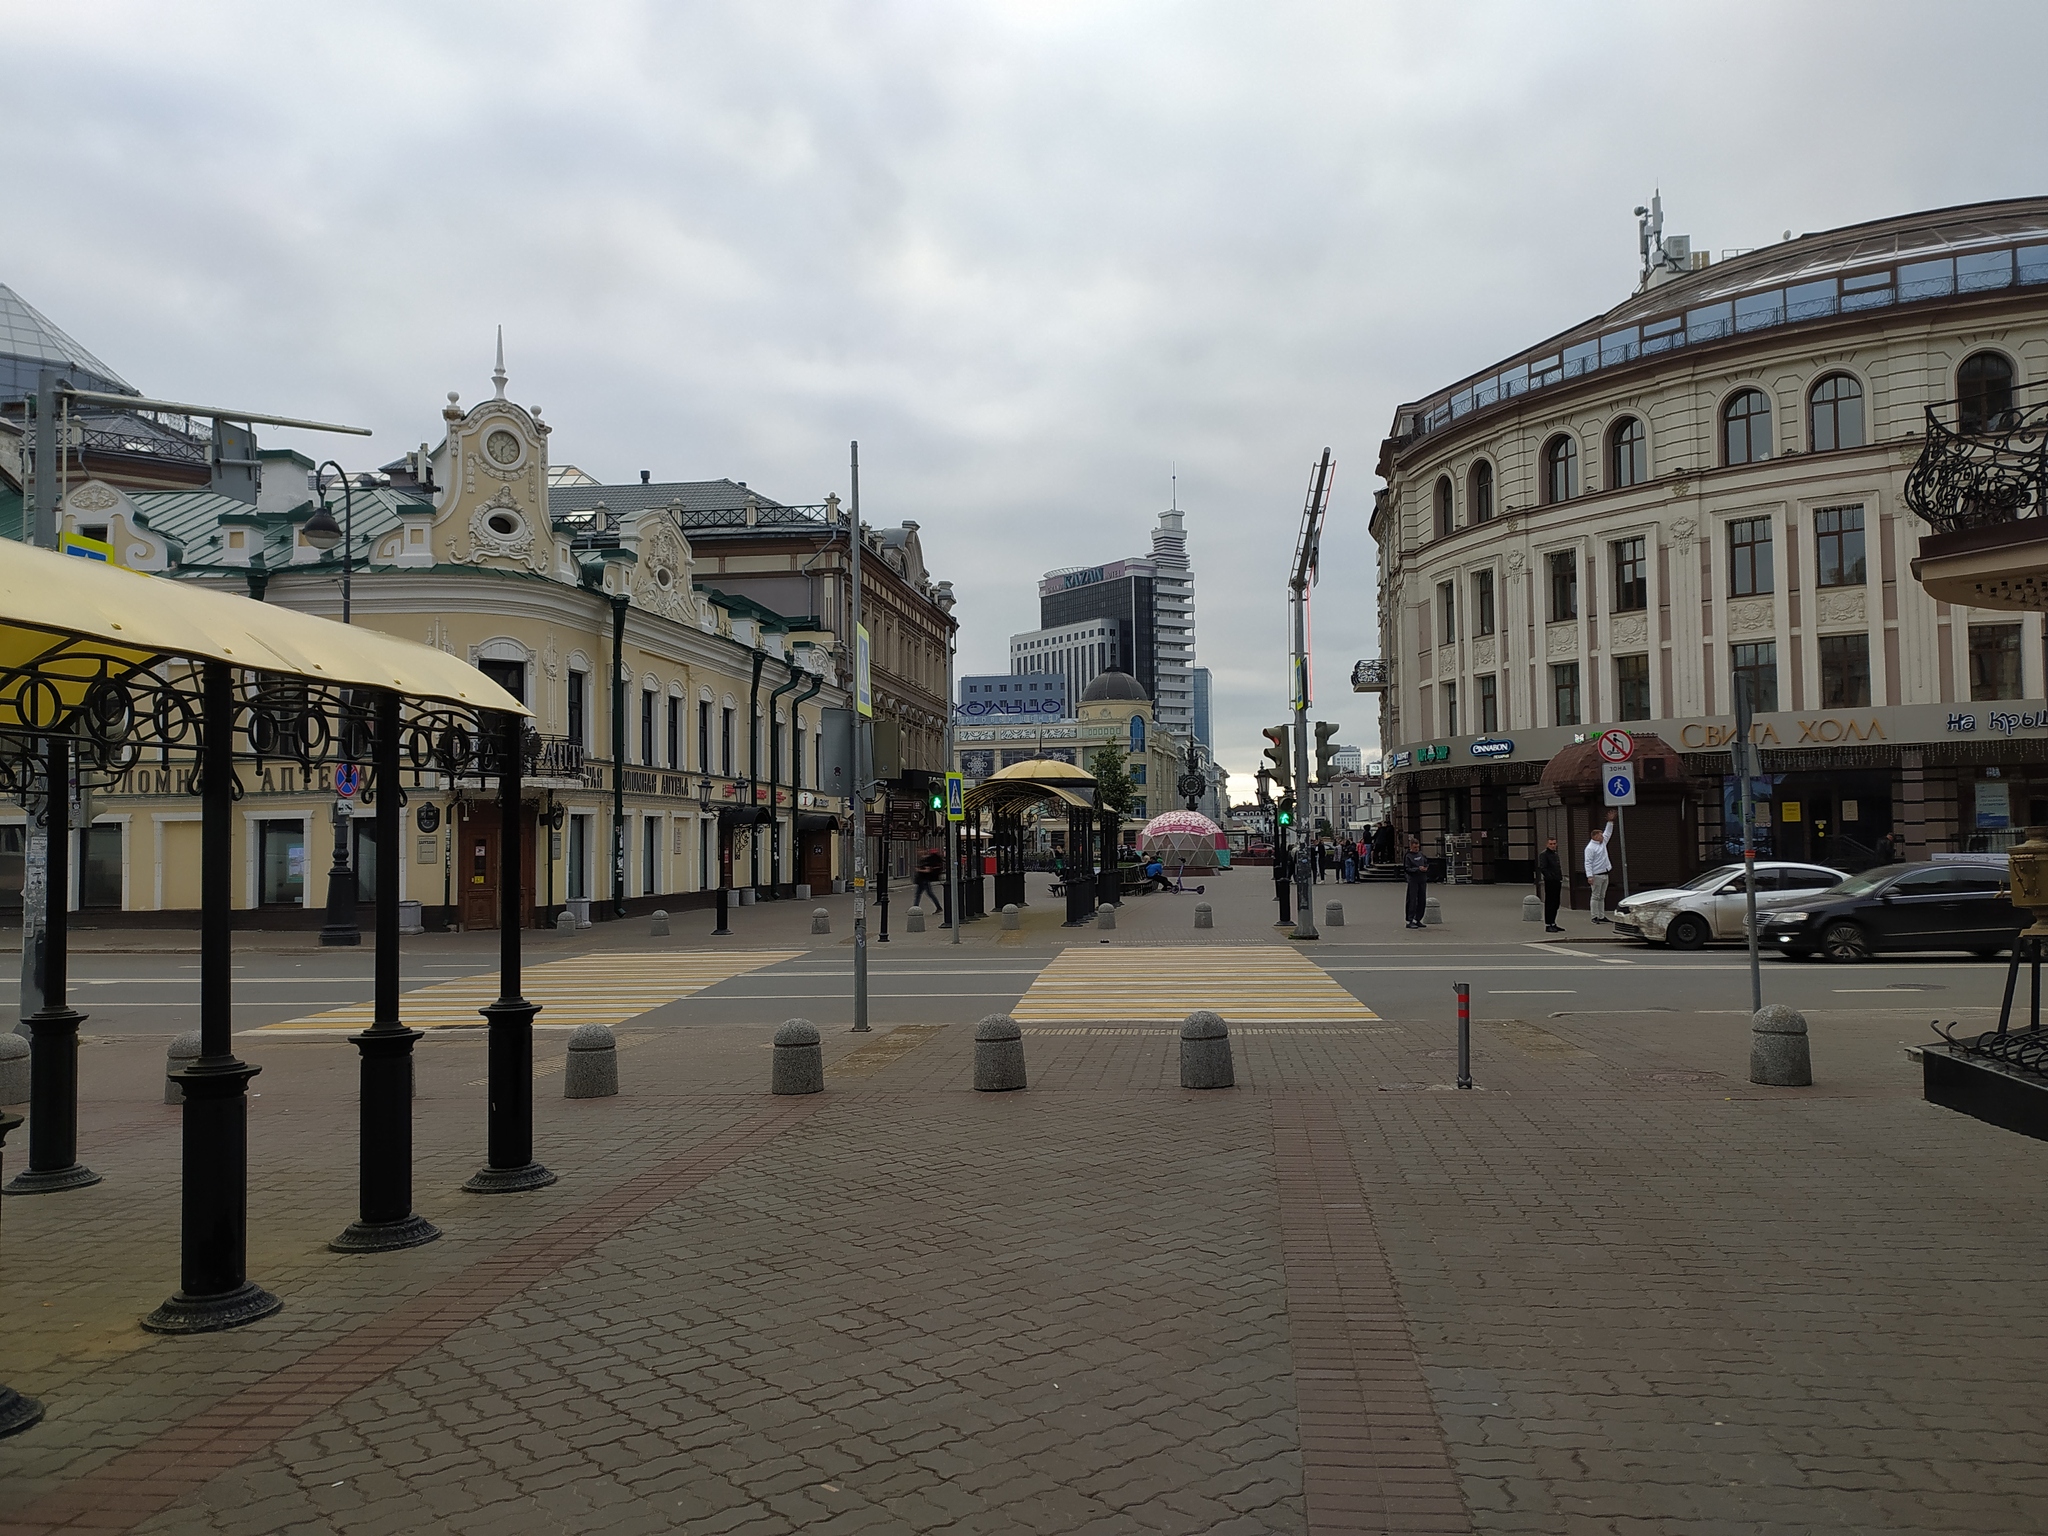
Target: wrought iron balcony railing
point(1982, 470)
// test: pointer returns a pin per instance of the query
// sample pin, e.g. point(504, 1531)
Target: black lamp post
point(322, 532)
point(724, 895)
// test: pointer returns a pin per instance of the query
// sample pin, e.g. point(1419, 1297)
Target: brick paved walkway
point(1615, 1289)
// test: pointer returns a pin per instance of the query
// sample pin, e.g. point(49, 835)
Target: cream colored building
point(1705, 484)
point(459, 549)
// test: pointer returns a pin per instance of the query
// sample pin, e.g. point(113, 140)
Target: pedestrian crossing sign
point(955, 788)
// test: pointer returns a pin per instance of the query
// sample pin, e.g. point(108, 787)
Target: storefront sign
point(2003, 721)
point(1994, 807)
point(1438, 753)
point(1397, 760)
point(1823, 730)
point(1493, 746)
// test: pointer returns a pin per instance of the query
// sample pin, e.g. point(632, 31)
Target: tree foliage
point(1114, 790)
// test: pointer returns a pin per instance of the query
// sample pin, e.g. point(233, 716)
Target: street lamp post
point(704, 799)
point(946, 600)
point(323, 533)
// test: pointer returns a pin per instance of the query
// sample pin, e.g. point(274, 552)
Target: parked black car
point(1900, 907)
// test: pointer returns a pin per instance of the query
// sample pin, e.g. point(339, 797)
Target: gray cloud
point(1029, 254)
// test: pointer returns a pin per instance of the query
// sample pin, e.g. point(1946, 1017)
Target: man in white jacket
point(1599, 866)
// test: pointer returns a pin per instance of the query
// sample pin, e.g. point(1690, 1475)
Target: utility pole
point(861, 748)
point(1305, 559)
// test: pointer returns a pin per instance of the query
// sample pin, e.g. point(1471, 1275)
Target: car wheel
point(1845, 942)
point(1686, 933)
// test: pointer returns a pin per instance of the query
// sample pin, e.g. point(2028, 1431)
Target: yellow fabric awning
point(73, 621)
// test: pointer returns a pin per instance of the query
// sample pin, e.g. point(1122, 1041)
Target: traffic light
point(1326, 751)
point(935, 799)
point(1277, 758)
point(1284, 816)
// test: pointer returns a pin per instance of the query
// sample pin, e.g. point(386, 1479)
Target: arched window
point(1628, 454)
point(1560, 468)
point(1983, 392)
point(1746, 428)
point(1834, 413)
point(1443, 506)
point(1479, 492)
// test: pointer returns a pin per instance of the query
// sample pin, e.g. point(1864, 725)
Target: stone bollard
point(799, 1059)
point(998, 1054)
point(1333, 914)
point(821, 920)
point(593, 1070)
point(1205, 1052)
point(1105, 916)
point(658, 927)
point(1011, 919)
point(13, 1069)
point(1778, 1055)
point(1532, 910)
point(1205, 915)
point(565, 921)
point(913, 920)
point(1432, 911)
point(184, 1051)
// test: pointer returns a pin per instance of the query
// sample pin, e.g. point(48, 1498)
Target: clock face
point(502, 446)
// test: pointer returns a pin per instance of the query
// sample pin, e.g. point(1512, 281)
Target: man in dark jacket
point(1550, 876)
point(1415, 865)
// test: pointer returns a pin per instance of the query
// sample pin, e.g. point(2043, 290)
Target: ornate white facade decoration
point(1848, 605)
point(1630, 629)
point(1561, 641)
point(661, 582)
point(1482, 651)
point(1752, 616)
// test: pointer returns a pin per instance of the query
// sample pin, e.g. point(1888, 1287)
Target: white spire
point(498, 374)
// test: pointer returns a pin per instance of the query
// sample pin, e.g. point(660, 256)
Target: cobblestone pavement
point(1614, 1289)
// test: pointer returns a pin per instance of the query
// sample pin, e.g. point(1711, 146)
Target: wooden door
point(477, 858)
point(816, 860)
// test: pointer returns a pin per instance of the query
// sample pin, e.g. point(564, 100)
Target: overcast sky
point(1031, 255)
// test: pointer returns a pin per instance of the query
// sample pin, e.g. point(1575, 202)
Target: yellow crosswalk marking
point(584, 989)
point(1244, 983)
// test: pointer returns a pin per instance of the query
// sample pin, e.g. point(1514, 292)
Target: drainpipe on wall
point(775, 767)
point(620, 602)
point(754, 761)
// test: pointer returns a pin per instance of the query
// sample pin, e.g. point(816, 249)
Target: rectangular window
point(1564, 693)
point(1632, 687)
point(1446, 612)
point(725, 742)
point(1137, 773)
point(650, 852)
point(1994, 661)
point(1482, 603)
point(1489, 702)
point(99, 866)
point(1755, 670)
point(1450, 691)
point(579, 685)
point(675, 733)
point(1749, 557)
point(283, 863)
point(1838, 546)
point(579, 857)
point(1631, 580)
point(1844, 671)
point(647, 727)
point(796, 760)
point(1564, 587)
point(703, 737)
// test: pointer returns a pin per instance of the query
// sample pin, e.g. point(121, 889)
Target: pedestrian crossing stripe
point(584, 989)
point(1246, 984)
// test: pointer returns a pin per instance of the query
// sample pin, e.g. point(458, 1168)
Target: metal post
point(385, 1219)
point(214, 1290)
point(1743, 758)
point(342, 929)
point(620, 603)
point(40, 528)
point(1297, 587)
point(510, 1126)
point(861, 765)
point(16, 1412)
point(1621, 845)
point(1464, 991)
point(53, 1028)
point(882, 880)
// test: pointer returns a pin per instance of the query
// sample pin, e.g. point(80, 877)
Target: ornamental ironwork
point(1994, 472)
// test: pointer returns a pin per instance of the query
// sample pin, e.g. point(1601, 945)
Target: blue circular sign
point(348, 778)
point(1618, 784)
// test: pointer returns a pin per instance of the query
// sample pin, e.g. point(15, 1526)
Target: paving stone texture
point(1615, 1289)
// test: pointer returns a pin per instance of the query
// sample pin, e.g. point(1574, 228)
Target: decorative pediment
point(502, 529)
point(662, 576)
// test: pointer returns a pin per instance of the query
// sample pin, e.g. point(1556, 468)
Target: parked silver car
point(1712, 905)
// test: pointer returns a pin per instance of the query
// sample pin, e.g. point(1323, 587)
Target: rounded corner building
point(1707, 489)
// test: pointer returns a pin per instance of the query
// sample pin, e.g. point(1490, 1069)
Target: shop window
point(12, 866)
point(725, 743)
point(1632, 687)
point(1631, 576)
point(1447, 612)
point(1834, 413)
point(675, 733)
point(1844, 671)
point(1838, 547)
point(650, 853)
point(1564, 693)
point(1560, 469)
point(99, 866)
point(647, 698)
point(579, 857)
point(1479, 492)
point(1489, 703)
point(703, 737)
point(364, 841)
point(1746, 428)
point(1749, 557)
point(1482, 603)
point(1984, 393)
point(1564, 585)
point(1754, 668)
point(1443, 507)
point(281, 879)
point(1628, 454)
point(1994, 661)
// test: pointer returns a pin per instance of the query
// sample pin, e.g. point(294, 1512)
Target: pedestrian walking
point(1415, 865)
point(1550, 883)
point(931, 866)
point(1350, 865)
point(1599, 866)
